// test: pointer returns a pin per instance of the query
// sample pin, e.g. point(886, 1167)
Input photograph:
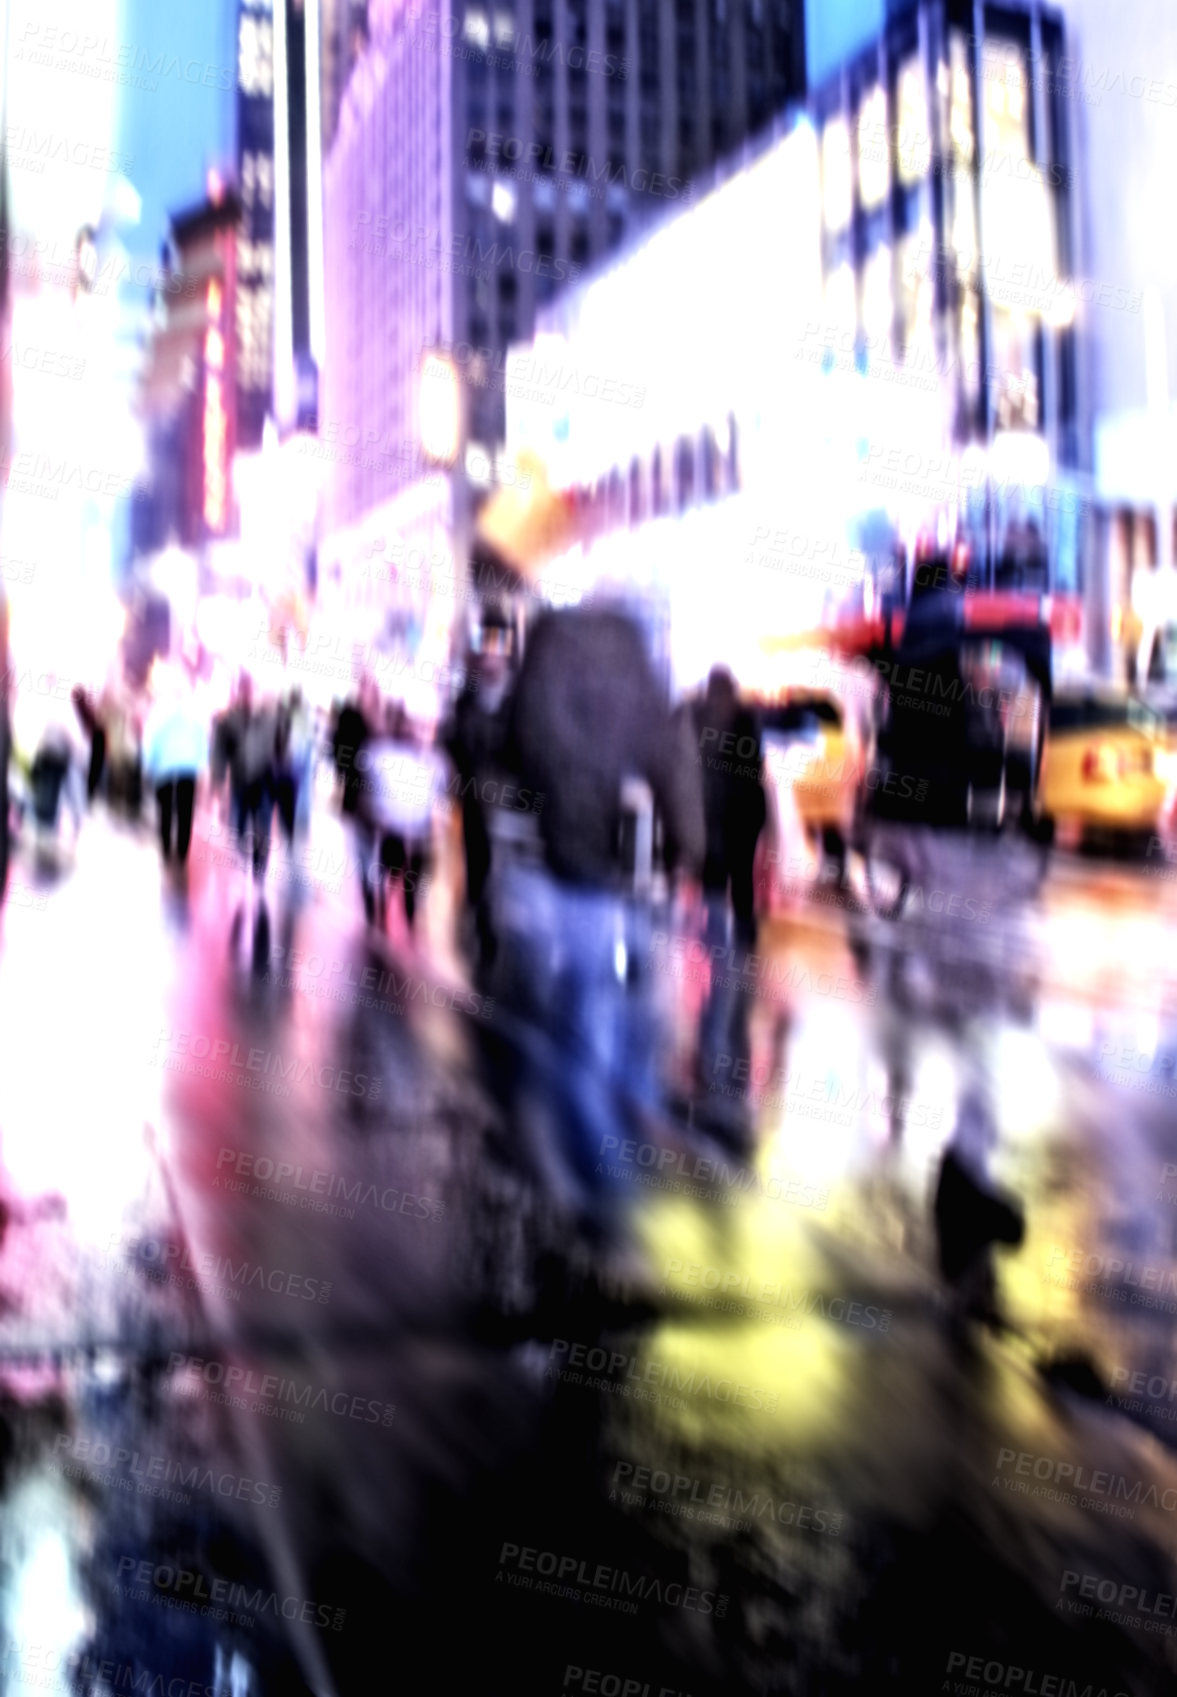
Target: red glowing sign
point(216, 422)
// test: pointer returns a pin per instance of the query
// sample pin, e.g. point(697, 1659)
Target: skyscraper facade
point(487, 154)
point(255, 253)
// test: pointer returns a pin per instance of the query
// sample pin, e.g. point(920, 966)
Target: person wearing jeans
point(574, 976)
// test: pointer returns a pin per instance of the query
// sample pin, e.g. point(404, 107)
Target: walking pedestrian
point(405, 781)
point(175, 756)
point(734, 802)
point(354, 724)
point(244, 746)
point(49, 754)
point(90, 718)
point(293, 749)
point(475, 740)
point(575, 965)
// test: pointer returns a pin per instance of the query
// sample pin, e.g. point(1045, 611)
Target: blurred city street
point(588, 848)
point(316, 1341)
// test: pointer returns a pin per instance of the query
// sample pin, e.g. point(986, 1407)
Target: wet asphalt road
point(300, 1384)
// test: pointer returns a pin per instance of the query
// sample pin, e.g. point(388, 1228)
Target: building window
point(914, 135)
point(874, 156)
point(257, 179)
point(255, 56)
point(476, 28)
point(254, 331)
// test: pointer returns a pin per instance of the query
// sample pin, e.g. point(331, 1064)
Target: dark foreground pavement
point(303, 1391)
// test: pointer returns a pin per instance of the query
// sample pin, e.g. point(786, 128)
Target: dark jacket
point(351, 734)
point(588, 712)
point(244, 743)
point(729, 754)
point(476, 736)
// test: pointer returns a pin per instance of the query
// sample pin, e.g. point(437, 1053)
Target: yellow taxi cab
point(814, 745)
point(1109, 765)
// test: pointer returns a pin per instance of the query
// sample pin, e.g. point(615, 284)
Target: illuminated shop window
point(1016, 380)
point(960, 98)
point(1007, 127)
point(970, 344)
point(874, 163)
point(917, 292)
point(914, 142)
point(964, 226)
point(255, 56)
point(835, 175)
point(477, 28)
point(254, 333)
point(878, 302)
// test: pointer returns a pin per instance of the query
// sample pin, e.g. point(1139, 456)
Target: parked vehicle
point(960, 745)
point(815, 746)
point(1109, 768)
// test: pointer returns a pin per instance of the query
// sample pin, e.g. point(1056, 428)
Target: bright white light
point(915, 141)
point(1025, 1083)
point(478, 465)
point(439, 400)
point(837, 191)
point(1020, 457)
point(878, 301)
point(502, 202)
point(874, 160)
point(840, 309)
point(477, 27)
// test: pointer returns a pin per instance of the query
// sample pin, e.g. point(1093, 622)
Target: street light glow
point(440, 409)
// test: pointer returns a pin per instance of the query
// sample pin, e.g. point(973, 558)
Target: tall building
point(189, 385)
point(1118, 90)
point(948, 201)
point(279, 168)
point(484, 157)
point(255, 252)
point(343, 37)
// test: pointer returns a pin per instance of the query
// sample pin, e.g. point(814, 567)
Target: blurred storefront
point(858, 341)
point(74, 454)
point(947, 257)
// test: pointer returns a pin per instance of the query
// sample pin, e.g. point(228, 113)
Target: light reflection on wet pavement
point(311, 1354)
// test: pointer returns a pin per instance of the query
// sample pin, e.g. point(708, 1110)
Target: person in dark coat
point(475, 740)
point(352, 732)
point(244, 741)
point(90, 719)
point(575, 966)
point(733, 797)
